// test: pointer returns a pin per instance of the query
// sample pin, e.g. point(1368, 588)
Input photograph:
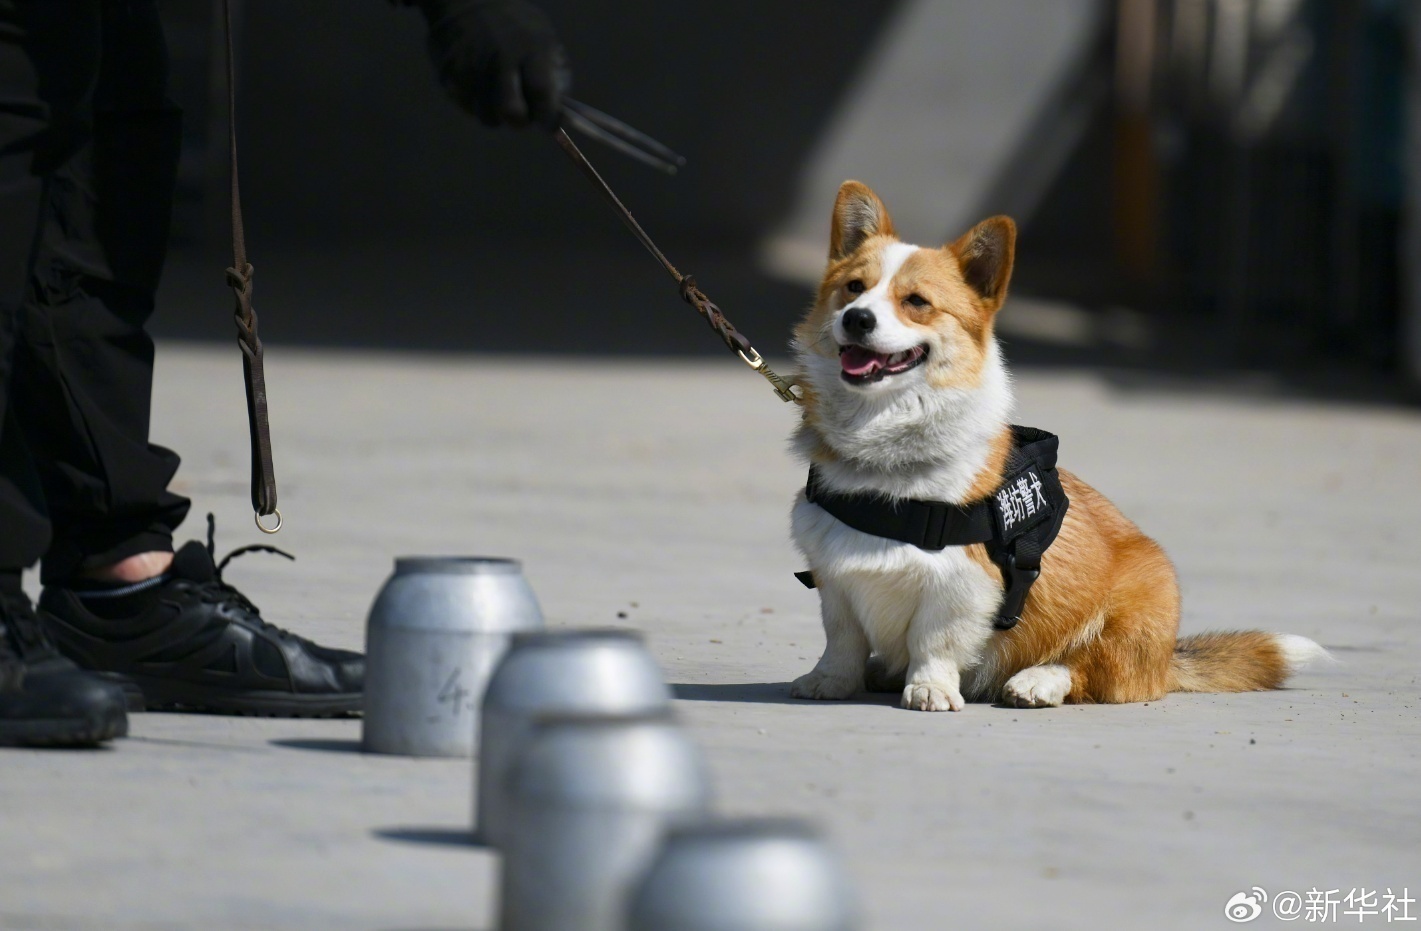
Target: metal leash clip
point(784, 387)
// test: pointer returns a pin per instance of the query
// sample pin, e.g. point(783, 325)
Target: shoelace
point(23, 638)
point(218, 591)
point(12, 667)
point(9, 631)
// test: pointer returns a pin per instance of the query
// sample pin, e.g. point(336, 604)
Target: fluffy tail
point(1241, 661)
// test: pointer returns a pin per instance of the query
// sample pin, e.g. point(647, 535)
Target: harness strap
point(928, 525)
point(239, 279)
point(1017, 522)
point(1023, 536)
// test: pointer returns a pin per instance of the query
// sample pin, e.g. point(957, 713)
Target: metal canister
point(592, 797)
point(607, 672)
point(435, 633)
point(760, 875)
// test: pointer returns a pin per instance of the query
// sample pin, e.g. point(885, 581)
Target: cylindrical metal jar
point(761, 875)
point(435, 633)
point(550, 672)
point(592, 797)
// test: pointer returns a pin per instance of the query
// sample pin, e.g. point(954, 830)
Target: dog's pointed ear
point(985, 254)
point(858, 214)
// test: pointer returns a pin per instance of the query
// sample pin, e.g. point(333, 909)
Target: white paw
point(816, 684)
point(931, 696)
point(1037, 687)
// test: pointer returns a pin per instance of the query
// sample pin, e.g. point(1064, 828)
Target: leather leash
point(239, 279)
point(690, 293)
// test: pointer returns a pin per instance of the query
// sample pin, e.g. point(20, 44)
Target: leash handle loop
point(239, 279)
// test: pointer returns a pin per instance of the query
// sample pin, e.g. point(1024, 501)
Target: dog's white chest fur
point(925, 443)
point(890, 589)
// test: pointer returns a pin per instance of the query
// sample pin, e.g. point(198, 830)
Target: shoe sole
point(66, 732)
point(167, 695)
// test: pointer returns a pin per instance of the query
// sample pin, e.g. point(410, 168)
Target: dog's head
point(891, 315)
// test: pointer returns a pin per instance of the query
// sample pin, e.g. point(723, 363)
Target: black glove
point(500, 59)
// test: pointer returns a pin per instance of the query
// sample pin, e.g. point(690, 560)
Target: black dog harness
point(1017, 522)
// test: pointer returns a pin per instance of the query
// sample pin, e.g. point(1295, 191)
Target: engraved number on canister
point(455, 694)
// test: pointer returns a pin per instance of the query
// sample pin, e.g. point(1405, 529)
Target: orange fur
point(1107, 608)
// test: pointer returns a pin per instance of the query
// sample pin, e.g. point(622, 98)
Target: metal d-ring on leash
point(625, 139)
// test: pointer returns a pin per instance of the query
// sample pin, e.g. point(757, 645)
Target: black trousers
point(89, 147)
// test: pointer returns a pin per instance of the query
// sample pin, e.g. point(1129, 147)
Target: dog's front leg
point(939, 648)
point(839, 672)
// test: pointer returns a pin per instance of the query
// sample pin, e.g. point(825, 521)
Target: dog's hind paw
point(931, 696)
point(1037, 687)
point(820, 685)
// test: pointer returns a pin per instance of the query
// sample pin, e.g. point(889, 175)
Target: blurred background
point(1216, 186)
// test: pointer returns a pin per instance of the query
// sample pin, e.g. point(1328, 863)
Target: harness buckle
point(1018, 582)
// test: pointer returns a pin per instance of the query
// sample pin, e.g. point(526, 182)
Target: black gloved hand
point(500, 59)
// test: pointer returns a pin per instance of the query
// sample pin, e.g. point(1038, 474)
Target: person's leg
point(44, 699)
point(83, 364)
point(116, 598)
point(33, 134)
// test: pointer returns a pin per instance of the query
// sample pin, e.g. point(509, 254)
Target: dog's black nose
point(859, 322)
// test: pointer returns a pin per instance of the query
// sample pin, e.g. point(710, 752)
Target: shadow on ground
point(322, 744)
point(438, 836)
point(771, 693)
point(775, 693)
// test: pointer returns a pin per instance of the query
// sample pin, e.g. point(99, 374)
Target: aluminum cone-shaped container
point(435, 633)
point(767, 875)
point(592, 797)
point(607, 672)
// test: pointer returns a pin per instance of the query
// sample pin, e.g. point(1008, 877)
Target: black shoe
point(200, 645)
point(45, 700)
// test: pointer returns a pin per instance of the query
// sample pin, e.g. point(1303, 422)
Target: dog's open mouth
point(864, 366)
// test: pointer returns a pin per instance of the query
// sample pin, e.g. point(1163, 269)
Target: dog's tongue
point(857, 360)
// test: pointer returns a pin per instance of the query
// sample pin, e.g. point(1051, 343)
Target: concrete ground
point(655, 495)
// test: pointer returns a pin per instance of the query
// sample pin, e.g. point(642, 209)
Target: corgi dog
point(906, 397)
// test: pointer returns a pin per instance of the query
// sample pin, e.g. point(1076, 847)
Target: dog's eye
point(917, 300)
point(854, 287)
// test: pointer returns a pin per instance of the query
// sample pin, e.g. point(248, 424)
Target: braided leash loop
point(239, 279)
point(733, 338)
point(706, 308)
point(254, 375)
